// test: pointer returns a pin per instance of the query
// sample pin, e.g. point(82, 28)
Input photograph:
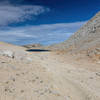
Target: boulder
point(18, 55)
point(7, 53)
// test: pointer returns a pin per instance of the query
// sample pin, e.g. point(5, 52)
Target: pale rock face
point(18, 55)
point(7, 53)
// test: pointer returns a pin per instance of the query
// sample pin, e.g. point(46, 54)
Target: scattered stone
point(22, 91)
point(17, 74)
point(50, 91)
point(33, 81)
point(41, 81)
point(91, 77)
point(13, 79)
point(81, 81)
point(3, 62)
point(37, 77)
point(41, 93)
point(98, 74)
point(98, 49)
point(6, 90)
point(23, 73)
point(7, 82)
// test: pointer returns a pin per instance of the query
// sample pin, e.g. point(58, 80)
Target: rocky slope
point(86, 38)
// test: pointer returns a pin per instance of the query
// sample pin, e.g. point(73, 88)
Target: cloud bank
point(13, 14)
point(44, 34)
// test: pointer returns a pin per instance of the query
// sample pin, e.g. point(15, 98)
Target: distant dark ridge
point(32, 45)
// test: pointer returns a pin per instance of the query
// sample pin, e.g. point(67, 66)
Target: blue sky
point(43, 21)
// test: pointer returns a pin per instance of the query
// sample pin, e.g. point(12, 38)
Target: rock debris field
point(47, 75)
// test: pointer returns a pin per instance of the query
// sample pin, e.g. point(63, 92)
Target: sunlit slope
point(87, 37)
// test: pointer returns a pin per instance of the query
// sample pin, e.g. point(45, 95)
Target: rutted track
point(72, 83)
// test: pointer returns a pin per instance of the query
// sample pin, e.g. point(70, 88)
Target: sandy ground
point(49, 76)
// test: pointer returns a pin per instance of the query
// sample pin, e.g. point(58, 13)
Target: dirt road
point(48, 76)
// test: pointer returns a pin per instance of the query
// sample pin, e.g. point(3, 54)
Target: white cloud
point(11, 14)
point(45, 34)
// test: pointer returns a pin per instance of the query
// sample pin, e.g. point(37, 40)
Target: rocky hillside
point(86, 38)
point(85, 41)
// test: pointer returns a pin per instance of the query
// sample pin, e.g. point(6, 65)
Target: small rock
point(3, 62)
point(98, 49)
point(6, 90)
point(41, 81)
point(33, 81)
point(98, 74)
point(13, 79)
point(17, 74)
point(37, 77)
point(22, 91)
point(7, 82)
point(91, 77)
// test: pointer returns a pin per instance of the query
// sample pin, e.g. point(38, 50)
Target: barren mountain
point(86, 38)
